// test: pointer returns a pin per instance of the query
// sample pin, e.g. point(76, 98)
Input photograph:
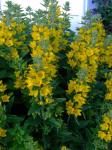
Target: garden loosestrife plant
point(105, 132)
point(41, 73)
point(31, 54)
point(2, 132)
point(108, 84)
point(84, 58)
point(49, 76)
point(4, 98)
point(6, 34)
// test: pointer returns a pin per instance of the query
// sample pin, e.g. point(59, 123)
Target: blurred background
point(78, 8)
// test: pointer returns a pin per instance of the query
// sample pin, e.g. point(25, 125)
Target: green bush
point(55, 85)
point(104, 7)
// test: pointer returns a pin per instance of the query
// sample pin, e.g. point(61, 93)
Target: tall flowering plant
point(55, 85)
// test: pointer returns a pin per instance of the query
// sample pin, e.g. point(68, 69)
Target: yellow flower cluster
point(48, 39)
point(2, 132)
point(6, 34)
point(80, 91)
point(19, 83)
point(106, 56)
point(85, 51)
point(36, 79)
point(18, 29)
point(58, 11)
point(19, 46)
point(14, 54)
point(41, 72)
point(108, 84)
point(84, 57)
point(64, 148)
point(105, 132)
point(3, 88)
point(9, 36)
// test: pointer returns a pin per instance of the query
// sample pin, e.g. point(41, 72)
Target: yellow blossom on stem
point(84, 58)
point(33, 92)
point(45, 91)
point(2, 132)
point(2, 86)
point(5, 98)
point(105, 132)
point(101, 134)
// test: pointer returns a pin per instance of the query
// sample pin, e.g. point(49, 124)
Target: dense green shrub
point(104, 7)
point(55, 85)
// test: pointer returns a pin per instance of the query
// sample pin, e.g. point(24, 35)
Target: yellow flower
point(34, 53)
point(108, 96)
point(71, 110)
point(2, 87)
point(101, 134)
point(48, 100)
point(38, 82)
point(70, 54)
point(64, 148)
point(45, 91)
point(2, 41)
point(33, 44)
point(106, 119)
point(40, 103)
point(108, 137)
point(29, 82)
point(14, 53)
point(46, 35)
point(80, 100)
point(2, 132)
point(71, 86)
point(33, 93)
point(90, 52)
point(72, 63)
point(35, 28)
point(77, 112)
point(35, 36)
point(41, 74)
point(104, 126)
point(19, 83)
point(58, 11)
point(81, 103)
point(13, 24)
point(9, 43)
point(84, 56)
point(110, 130)
point(5, 98)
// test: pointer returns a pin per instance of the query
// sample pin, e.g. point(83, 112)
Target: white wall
point(77, 8)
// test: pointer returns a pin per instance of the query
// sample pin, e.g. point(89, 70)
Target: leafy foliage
point(104, 7)
point(55, 85)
